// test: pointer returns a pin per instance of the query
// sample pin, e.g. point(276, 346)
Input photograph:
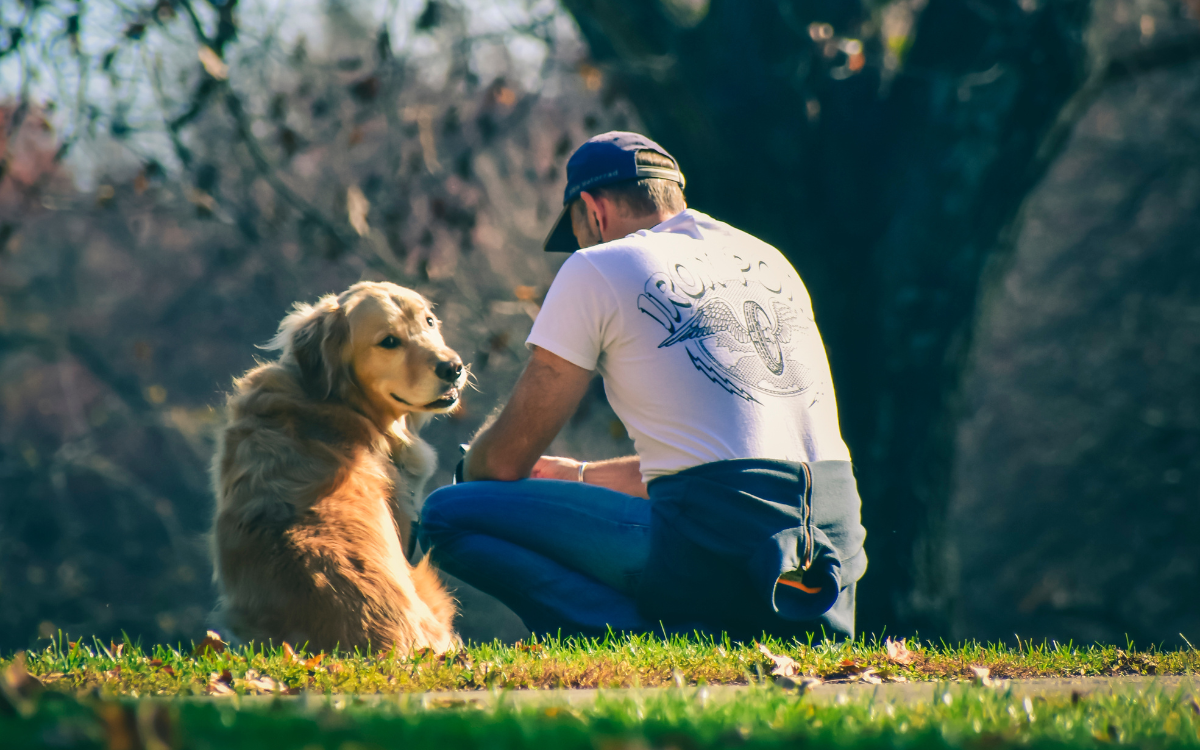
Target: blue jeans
point(565, 556)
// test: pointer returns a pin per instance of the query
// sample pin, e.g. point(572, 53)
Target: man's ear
point(596, 213)
point(318, 345)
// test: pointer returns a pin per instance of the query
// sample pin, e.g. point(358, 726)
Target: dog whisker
point(470, 380)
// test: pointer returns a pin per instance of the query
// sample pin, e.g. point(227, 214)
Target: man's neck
point(623, 226)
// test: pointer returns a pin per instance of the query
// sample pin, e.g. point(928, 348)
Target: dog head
point(377, 343)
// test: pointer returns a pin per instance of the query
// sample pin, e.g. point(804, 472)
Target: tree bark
point(891, 198)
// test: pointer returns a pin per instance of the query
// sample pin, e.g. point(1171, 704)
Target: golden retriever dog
point(317, 475)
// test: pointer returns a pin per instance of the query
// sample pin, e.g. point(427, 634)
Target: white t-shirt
point(705, 338)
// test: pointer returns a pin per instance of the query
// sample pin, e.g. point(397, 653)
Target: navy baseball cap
point(603, 160)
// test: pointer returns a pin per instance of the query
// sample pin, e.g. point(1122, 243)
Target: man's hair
point(646, 196)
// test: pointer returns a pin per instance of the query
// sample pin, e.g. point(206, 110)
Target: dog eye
point(430, 320)
point(391, 342)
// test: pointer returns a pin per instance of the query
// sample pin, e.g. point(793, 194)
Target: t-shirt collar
point(686, 222)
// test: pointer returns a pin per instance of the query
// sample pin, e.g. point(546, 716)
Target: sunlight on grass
point(761, 717)
point(128, 669)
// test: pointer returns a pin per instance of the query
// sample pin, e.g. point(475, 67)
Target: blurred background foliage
point(993, 203)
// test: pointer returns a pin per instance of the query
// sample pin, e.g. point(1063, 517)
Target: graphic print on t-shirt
point(744, 333)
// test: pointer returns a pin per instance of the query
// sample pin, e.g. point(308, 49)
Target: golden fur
point(317, 473)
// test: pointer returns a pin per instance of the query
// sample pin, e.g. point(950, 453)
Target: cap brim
point(561, 238)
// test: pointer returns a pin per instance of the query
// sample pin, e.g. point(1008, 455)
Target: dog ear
point(317, 344)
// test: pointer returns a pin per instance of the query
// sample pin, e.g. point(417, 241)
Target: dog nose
point(449, 369)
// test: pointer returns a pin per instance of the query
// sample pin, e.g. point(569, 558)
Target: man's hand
point(544, 398)
point(556, 467)
point(620, 474)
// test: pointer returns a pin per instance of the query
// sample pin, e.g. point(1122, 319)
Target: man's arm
point(620, 474)
point(544, 398)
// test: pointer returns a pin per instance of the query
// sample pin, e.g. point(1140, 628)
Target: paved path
point(830, 692)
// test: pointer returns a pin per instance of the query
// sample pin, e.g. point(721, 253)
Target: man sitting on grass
point(739, 512)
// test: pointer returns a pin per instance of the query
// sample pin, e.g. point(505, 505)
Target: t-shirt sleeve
point(575, 316)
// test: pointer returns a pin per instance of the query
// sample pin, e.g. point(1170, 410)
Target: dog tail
point(433, 592)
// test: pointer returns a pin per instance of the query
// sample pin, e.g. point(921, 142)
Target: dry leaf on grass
point(289, 654)
point(460, 659)
point(803, 684)
point(212, 643)
point(783, 666)
point(220, 684)
point(867, 675)
point(898, 652)
point(255, 682)
point(312, 663)
point(850, 667)
point(982, 676)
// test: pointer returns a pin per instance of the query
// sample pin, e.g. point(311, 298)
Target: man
point(739, 510)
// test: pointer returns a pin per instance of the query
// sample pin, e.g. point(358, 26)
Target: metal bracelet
point(582, 466)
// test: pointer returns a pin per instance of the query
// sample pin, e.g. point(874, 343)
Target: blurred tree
point(886, 149)
point(232, 167)
point(174, 176)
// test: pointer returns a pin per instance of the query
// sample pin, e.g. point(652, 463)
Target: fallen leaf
point(898, 651)
point(982, 676)
point(212, 643)
point(850, 667)
point(529, 648)
point(169, 671)
point(213, 64)
point(220, 684)
point(462, 659)
point(784, 666)
point(357, 208)
point(289, 654)
point(803, 684)
point(313, 662)
point(867, 675)
point(155, 662)
point(261, 683)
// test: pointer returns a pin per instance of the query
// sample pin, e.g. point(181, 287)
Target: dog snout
point(449, 370)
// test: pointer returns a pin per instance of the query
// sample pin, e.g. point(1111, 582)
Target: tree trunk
point(889, 191)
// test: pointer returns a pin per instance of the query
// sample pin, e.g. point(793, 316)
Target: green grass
point(129, 670)
point(959, 717)
point(123, 696)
